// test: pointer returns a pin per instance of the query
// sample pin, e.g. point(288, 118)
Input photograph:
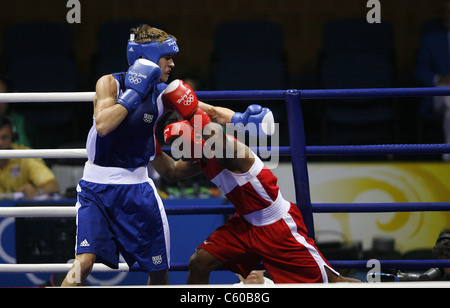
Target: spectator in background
point(18, 120)
point(433, 68)
point(22, 177)
point(442, 248)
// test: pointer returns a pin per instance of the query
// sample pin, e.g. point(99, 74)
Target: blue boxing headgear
point(152, 51)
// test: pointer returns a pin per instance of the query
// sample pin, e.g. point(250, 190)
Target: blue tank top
point(132, 144)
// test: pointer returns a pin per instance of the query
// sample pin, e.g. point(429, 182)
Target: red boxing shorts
point(288, 255)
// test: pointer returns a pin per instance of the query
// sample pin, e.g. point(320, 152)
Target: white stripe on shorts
point(165, 222)
point(314, 253)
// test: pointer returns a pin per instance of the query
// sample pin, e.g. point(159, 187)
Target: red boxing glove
point(182, 99)
point(199, 119)
point(191, 139)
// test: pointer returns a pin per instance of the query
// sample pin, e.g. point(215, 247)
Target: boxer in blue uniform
point(118, 206)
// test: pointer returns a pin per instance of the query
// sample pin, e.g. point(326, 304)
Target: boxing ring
point(297, 150)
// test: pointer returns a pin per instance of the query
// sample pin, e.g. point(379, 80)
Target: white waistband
point(270, 214)
point(114, 175)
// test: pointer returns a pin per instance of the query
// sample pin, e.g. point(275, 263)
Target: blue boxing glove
point(256, 120)
point(141, 77)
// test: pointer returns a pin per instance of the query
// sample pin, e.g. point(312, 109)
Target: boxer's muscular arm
point(174, 170)
point(108, 114)
point(175, 96)
point(219, 115)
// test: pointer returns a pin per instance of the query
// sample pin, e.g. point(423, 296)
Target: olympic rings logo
point(134, 80)
point(187, 99)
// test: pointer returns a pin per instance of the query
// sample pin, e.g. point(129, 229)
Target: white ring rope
point(43, 153)
point(38, 211)
point(56, 268)
point(53, 153)
point(47, 97)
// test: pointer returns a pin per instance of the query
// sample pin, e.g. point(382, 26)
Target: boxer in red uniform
point(266, 228)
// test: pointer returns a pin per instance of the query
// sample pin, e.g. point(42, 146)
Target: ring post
point(298, 157)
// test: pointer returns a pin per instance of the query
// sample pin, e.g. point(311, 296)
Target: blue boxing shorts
point(120, 211)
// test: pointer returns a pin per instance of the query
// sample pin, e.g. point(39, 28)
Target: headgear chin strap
point(152, 51)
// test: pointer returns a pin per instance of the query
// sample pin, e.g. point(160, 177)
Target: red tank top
point(252, 191)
